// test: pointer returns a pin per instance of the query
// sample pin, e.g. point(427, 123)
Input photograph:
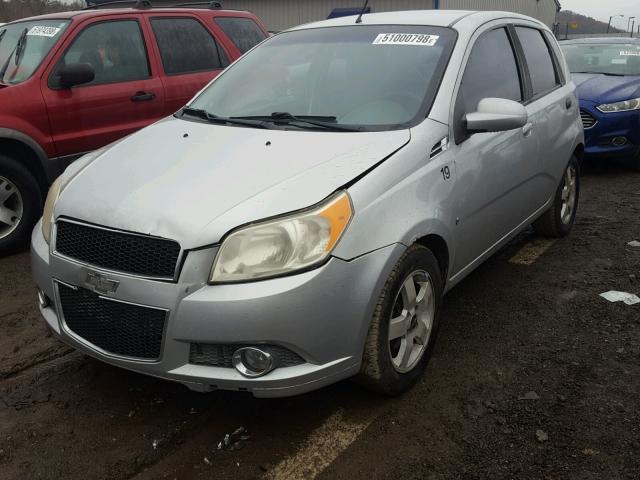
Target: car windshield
point(23, 46)
point(367, 77)
point(608, 59)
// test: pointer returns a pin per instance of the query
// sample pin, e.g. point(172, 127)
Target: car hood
point(601, 89)
point(193, 182)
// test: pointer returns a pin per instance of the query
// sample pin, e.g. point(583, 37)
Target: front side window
point(491, 72)
point(24, 45)
point(243, 32)
point(608, 59)
point(114, 49)
point(541, 69)
point(374, 77)
point(186, 46)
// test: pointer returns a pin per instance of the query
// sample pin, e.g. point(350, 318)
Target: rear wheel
point(404, 325)
point(558, 220)
point(20, 205)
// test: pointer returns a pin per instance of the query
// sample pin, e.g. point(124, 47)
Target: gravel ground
point(534, 376)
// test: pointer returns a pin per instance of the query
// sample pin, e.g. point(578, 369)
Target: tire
point(556, 222)
point(20, 205)
point(382, 369)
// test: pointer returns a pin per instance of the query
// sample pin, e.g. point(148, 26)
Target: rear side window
point(115, 50)
point(536, 52)
point(491, 71)
point(243, 32)
point(186, 46)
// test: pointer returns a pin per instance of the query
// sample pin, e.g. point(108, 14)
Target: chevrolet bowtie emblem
point(101, 284)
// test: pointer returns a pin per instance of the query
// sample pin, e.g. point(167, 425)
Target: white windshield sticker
point(39, 31)
point(630, 53)
point(406, 39)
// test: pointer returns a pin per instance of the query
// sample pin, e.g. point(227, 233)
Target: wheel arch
point(27, 151)
point(440, 250)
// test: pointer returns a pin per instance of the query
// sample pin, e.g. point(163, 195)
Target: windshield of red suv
point(23, 46)
point(369, 77)
point(609, 58)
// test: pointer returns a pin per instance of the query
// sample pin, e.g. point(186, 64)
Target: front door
point(494, 170)
point(123, 97)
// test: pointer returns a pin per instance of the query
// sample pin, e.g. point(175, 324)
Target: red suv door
point(190, 56)
point(125, 95)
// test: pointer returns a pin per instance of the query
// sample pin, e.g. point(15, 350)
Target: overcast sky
point(603, 9)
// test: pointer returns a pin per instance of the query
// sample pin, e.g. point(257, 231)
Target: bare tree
point(15, 9)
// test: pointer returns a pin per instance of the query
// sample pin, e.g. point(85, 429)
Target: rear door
point(124, 96)
point(494, 171)
point(552, 107)
point(190, 56)
point(243, 32)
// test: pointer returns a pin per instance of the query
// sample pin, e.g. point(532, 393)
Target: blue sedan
point(606, 72)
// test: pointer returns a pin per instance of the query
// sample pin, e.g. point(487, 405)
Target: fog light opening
point(43, 300)
point(253, 362)
point(619, 141)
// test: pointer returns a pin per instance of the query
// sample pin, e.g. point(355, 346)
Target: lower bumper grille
point(213, 355)
point(588, 120)
point(115, 327)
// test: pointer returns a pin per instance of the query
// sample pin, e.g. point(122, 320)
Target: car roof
point(100, 12)
point(458, 19)
point(601, 40)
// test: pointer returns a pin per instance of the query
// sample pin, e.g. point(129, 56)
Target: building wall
point(283, 14)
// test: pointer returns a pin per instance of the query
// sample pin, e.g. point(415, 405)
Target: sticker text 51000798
point(406, 39)
point(41, 31)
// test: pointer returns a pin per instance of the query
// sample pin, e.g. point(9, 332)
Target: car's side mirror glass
point(75, 74)
point(496, 115)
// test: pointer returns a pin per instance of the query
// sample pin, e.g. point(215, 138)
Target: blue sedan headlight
point(626, 106)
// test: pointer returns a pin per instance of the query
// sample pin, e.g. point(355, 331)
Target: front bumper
point(322, 315)
point(598, 139)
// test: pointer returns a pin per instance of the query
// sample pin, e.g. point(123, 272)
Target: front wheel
point(20, 205)
point(558, 220)
point(404, 324)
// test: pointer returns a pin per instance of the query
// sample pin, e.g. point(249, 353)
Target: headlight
point(284, 245)
point(625, 106)
point(60, 183)
point(47, 213)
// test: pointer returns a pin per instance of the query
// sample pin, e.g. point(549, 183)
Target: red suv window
point(186, 46)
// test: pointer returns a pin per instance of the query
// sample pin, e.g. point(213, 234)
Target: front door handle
point(568, 103)
point(527, 129)
point(143, 97)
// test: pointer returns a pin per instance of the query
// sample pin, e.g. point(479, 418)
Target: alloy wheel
point(11, 207)
point(411, 321)
point(568, 195)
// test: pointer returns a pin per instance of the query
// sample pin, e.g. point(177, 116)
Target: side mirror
point(76, 74)
point(496, 115)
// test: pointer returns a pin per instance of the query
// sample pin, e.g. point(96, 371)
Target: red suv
point(73, 82)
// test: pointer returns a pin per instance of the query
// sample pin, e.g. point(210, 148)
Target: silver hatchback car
point(299, 222)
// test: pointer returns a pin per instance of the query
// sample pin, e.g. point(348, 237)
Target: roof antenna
point(359, 19)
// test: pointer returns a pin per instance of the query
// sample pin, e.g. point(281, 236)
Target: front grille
point(588, 120)
point(119, 251)
point(220, 355)
point(115, 327)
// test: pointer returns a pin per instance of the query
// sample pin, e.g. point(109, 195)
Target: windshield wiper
point(325, 122)
point(604, 73)
point(18, 50)
point(210, 117)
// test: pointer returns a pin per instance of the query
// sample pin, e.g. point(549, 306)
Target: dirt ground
point(534, 377)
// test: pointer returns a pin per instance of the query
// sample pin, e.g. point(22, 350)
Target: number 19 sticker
point(406, 39)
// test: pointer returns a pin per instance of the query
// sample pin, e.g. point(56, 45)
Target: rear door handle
point(143, 97)
point(568, 103)
point(527, 129)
